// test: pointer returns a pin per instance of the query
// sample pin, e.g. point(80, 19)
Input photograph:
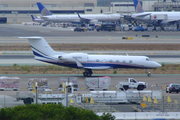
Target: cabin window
point(124, 61)
point(110, 60)
point(130, 61)
point(97, 60)
point(117, 61)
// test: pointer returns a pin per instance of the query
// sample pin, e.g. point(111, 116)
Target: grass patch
point(54, 69)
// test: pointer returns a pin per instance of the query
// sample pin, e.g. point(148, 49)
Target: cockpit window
point(147, 59)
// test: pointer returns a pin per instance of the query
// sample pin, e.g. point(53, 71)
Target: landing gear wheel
point(85, 74)
point(149, 74)
point(89, 74)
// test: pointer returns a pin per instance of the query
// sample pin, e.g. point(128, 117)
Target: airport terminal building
point(20, 10)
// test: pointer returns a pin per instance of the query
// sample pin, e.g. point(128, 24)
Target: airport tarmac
point(9, 33)
point(10, 59)
point(159, 79)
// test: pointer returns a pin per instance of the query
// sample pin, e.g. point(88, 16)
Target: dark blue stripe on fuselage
point(74, 65)
point(36, 54)
point(39, 51)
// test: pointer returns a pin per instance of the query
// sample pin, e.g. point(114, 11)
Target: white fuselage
point(150, 17)
point(76, 19)
point(101, 61)
point(43, 52)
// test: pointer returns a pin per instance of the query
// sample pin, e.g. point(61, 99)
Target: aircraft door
point(133, 83)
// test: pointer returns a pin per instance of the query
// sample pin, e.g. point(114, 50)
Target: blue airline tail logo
point(138, 7)
point(44, 11)
point(32, 17)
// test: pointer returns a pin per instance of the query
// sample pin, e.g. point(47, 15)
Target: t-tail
point(44, 11)
point(40, 47)
point(138, 7)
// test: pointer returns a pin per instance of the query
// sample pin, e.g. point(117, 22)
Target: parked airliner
point(89, 18)
point(155, 18)
point(39, 20)
point(43, 52)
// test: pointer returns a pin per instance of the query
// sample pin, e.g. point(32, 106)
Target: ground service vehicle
point(106, 27)
point(132, 83)
point(78, 29)
point(9, 83)
point(138, 28)
point(42, 83)
point(73, 80)
point(173, 87)
point(101, 83)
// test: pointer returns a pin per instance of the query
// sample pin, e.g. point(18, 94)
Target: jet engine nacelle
point(93, 21)
point(72, 57)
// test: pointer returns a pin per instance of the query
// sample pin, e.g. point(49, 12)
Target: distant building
point(17, 11)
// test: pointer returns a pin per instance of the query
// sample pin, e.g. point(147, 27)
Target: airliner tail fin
point(32, 17)
point(44, 11)
point(138, 7)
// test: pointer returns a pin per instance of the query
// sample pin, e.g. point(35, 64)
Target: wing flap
point(78, 63)
point(92, 68)
point(83, 19)
point(98, 68)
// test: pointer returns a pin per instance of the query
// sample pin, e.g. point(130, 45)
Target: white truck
point(131, 83)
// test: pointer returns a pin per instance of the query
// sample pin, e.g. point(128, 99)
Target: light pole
point(36, 94)
point(110, 102)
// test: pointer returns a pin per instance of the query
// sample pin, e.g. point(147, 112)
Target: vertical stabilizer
point(40, 47)
point(44, 11)
point(138, 7)
point(32, 17)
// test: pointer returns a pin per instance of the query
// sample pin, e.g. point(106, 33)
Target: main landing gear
point(87, 73)
point(148, 73)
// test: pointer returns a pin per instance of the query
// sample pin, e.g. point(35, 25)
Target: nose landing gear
point(148, 73)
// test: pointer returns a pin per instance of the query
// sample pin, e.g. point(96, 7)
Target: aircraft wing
point(86, 20)
point(98, 68)
point(173, 21)
point(92, 68)
point(143, 15)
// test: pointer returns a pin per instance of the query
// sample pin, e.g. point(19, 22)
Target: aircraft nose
point(157, 65)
